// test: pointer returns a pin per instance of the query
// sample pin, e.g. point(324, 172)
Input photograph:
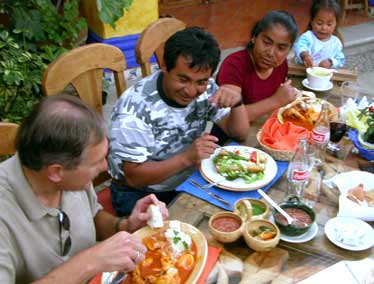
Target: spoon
point(289, 219)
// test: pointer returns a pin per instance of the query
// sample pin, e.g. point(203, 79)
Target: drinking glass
point(337, 130)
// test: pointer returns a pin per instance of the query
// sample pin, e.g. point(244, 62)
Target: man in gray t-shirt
point(157, 133)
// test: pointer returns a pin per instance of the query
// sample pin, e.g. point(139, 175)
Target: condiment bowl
point(251, 209)
point(226, 227)
point(261, 235)
point(304, 215)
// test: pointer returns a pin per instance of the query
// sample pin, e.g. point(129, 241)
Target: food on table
point(304, 111)
point(170, 258)
point(226, 224)
point(262, 267)
point(247, 165)
point(263, 233)
point(302, 218)
point(358, 195)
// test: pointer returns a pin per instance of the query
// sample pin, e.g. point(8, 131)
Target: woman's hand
point(307, 59)
point(139, 215)
point(285, 93)
point(227, 96)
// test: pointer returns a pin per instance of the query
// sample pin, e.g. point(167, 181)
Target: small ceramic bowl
point(319, 77)
point(261, 235)
point(226, 227)
point(251, 209)
point(301, 208)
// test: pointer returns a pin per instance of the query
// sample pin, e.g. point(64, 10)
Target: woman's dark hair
point(58, 131)
point(330, 5)
point(195, 44)
point(272, 18)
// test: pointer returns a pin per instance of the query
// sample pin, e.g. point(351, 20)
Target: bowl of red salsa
point(304, 217)
point(226, 227)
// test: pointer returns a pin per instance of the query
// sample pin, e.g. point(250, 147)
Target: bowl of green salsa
point(251, 209)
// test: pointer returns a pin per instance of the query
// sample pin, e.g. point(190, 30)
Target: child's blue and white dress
point(320, 50)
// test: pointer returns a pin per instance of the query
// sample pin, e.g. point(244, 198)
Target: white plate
point(367, 241)
point(209, 172)
point(310, 234)
point(306, 85)
point(346, 181)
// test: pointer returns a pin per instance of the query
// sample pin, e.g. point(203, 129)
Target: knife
point(118, 278)
point(215, 196)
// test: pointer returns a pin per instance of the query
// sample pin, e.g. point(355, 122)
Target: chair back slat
point(152, 40)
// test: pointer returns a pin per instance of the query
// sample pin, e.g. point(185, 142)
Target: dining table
point(317, 252)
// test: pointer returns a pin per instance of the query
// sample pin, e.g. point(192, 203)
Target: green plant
point(111, 10)
point(36, 34)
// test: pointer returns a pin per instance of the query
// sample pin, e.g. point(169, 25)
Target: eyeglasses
point(64, 222)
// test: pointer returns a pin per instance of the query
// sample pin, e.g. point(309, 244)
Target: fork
point(205, 188)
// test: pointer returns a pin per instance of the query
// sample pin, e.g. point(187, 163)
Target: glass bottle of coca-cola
point(321, 135)
point(298, 170)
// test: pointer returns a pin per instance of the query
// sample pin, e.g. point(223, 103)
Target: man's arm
point(154, 172)
point(284, 95)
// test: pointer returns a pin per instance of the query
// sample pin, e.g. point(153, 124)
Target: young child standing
point(322, 44)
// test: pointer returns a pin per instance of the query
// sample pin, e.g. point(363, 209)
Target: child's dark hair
point(282, 18)
point(330, 5)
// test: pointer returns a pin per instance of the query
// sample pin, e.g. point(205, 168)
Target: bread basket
point(280, 155)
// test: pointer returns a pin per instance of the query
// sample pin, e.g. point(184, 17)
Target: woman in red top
point(259, 72)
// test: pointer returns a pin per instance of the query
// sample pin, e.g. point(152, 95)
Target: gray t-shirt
point(30, 233)
point(146, 128)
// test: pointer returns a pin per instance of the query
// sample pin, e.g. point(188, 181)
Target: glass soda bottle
point(321, 135)
point(298, 170)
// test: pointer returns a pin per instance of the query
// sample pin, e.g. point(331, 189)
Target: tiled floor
point(230, 21)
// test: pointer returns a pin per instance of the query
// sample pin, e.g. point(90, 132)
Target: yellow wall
point(139, 16)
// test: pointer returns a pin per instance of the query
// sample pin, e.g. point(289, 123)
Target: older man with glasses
point(50, 220)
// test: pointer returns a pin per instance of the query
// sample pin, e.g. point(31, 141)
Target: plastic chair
point(83, 67)
point(8, 132)
point(152, 40)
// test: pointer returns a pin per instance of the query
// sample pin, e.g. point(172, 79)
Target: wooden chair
point(152, 40)
point(83, 67)
point(351, 4)
point(8, 132)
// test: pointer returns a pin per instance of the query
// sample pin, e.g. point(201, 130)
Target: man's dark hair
point(276, 17)
point(58, 131)
point(195, 44)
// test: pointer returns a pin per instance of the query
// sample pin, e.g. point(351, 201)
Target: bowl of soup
point(226, 227)
point(261, 235)
point(251, 209)
point(303, 216)
point(319, 77)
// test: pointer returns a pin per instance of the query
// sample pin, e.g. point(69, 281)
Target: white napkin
point(346, 181)
point(344, 272)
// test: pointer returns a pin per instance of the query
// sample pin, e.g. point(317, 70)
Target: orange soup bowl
point(261, 235)
point(226, 227)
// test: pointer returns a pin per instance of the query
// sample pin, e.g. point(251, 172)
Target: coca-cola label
point(319, 137)
point(300, 175)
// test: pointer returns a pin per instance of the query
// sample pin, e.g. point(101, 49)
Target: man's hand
point(201, 148)
point(120, 252)
point(226, 97)
point(307, 59)
point(285, 93)
point(325, 63)
point(139, 215)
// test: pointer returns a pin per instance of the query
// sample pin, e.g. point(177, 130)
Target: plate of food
point(350, 233)
point(183, 249)
point(304, 111)
point(239, 168)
